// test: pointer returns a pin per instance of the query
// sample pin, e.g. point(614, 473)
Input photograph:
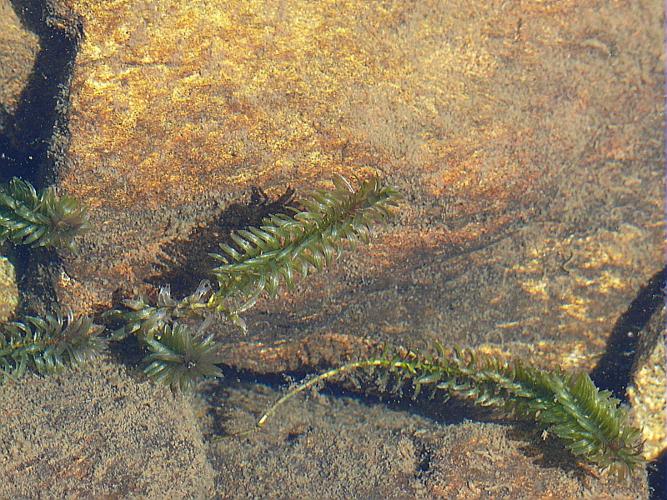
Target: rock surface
point(339, 447)
point(99, 433)
point(527, 140)
point(9, 292)
point(18, 49)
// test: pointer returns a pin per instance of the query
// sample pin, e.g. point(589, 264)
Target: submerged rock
point(18, 49)
point(527, 141)
point(96, 432)
point(531, 215)
point(9, 292)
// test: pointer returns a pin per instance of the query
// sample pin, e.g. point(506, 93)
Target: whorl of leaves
point(590, 423)
point(285, 246)
point(146, 320)
point(180, 358)
point(47, 345)
point(38, 219)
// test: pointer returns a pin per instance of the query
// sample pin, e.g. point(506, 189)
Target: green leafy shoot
point(590, 423)
point(286, 246)
point(47, 345)
point(180, 358)
point(264, 258)
point(39, 219)
point(147, 320)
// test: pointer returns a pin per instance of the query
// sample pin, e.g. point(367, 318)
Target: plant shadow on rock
point(223, 420)
point(442, 412)
point(187, 261)
point(545, 453)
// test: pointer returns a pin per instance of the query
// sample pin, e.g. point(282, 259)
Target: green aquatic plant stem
point(261, 260)
point(317, 380)
point(148, 320)
point(47, 345)
point(264, 258)
point(590, 423)
point(39, 218)
point(286, 246)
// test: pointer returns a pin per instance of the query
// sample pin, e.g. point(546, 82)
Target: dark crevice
point(28, 136)
point(614, 370)
point(189, 260)
point(33, 139)
point(657, 477)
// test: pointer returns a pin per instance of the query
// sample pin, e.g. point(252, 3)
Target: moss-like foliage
point(38, 219)
point(180, 358)
point(285, 246)
point(148, 320)
point(262, 260)
point(589, 422)
point(47, 345)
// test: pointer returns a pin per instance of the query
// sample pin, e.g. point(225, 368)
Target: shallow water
point(526, 140)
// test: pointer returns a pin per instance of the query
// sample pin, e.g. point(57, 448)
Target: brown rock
point(488, 460)
point(527, 142)
point(97, 433)
point(9, 293)
point(335, 447)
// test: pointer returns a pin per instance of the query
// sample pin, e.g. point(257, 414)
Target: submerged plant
point(286, 246)
point(261, 261)
point(590, 423)
point(180, 357)
point(38, 219)
point(147, 320)
point(47, 345)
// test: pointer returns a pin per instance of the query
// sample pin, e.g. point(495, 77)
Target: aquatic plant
point(47, 345)
point(590, 423)
point(261, 261)
point(146, 320)
point(38, 219)
point(263, 258)
point(286, 246)
point(180, 358)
